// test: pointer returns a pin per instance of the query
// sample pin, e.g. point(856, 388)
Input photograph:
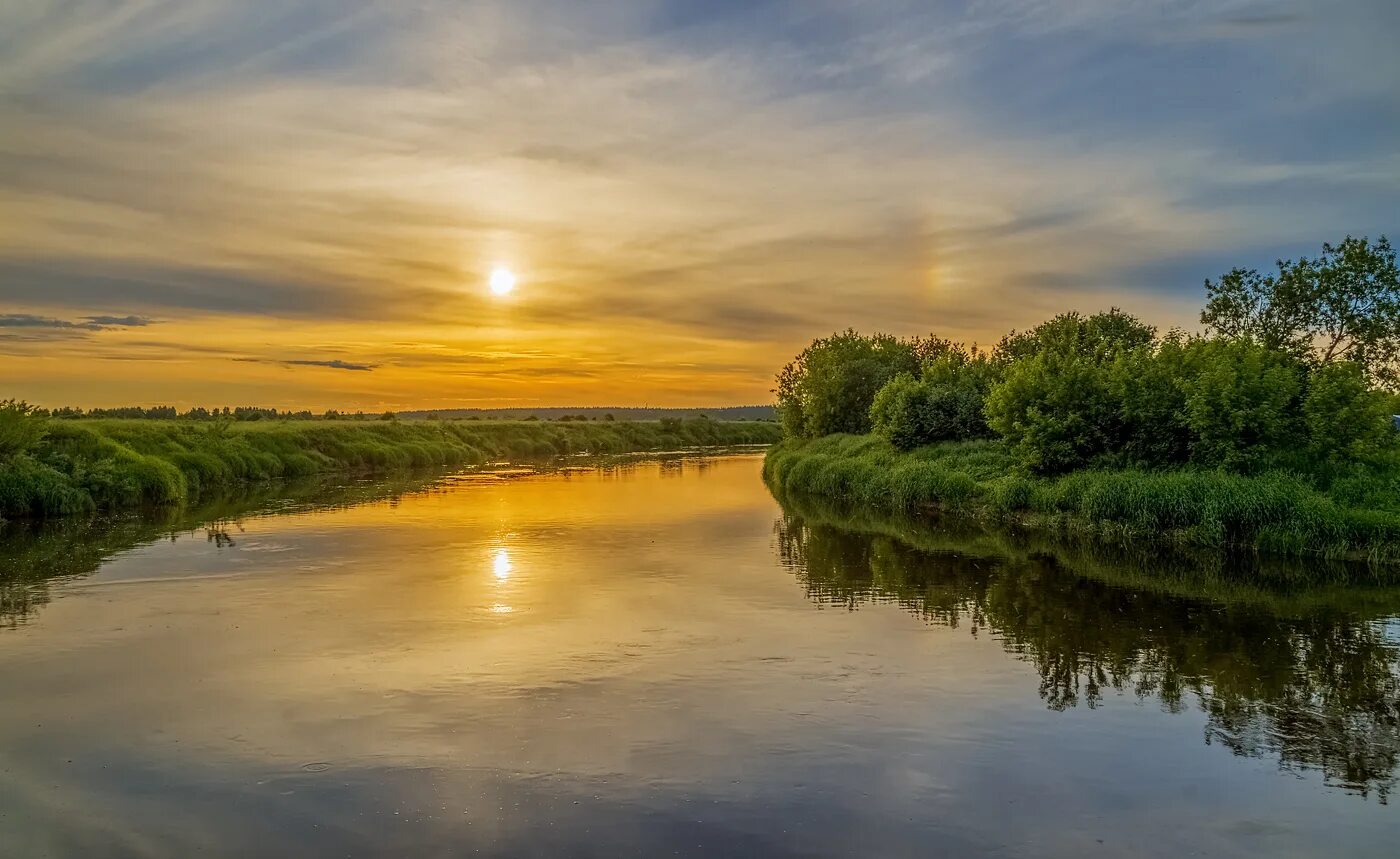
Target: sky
point(214, 202)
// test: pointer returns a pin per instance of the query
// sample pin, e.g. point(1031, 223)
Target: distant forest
point(621, 413)
point(255, 413)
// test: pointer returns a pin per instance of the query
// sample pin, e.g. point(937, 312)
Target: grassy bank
point(80, 466)
point(1358, 518)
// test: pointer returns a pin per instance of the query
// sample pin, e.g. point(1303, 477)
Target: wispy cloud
point(333, 364)
point(697, 181)
point(86, 323)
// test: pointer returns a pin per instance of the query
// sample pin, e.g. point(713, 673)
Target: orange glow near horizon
point(587, 216)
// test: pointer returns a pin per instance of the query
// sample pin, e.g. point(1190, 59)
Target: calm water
point(658, 660)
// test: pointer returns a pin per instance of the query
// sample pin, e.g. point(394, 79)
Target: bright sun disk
point(502, 280)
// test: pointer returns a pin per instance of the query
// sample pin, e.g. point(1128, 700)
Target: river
point(655, 658)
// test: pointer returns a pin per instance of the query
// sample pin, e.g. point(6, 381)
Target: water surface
point(658, 659)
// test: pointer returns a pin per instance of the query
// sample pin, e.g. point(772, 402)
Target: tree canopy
point(1343, 305)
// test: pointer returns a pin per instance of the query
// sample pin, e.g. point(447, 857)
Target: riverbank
point(1273, 513)
point(81, 466)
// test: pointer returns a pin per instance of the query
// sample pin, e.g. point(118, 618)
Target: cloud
point(130, 321)
point(27, 320)
point(335, 364)
point(691, 180)
point(87, 323)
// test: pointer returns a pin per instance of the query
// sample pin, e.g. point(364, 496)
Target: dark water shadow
point(1307, 676)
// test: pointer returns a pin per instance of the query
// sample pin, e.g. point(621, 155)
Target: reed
point(1275, 512)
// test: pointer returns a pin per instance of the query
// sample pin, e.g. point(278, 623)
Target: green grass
point(88, 465)
point(1276, 513)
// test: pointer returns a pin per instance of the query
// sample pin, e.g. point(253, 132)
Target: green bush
point(1097, 338)
point(904, 412)
point(1073, 392)
point(20, 428)
point(1242, 404)
point(1057, 411)
point(1151, 425)
point(831, 385)
point(1345, 419)
point(946, 404)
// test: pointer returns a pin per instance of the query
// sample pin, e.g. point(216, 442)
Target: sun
point(502, 280)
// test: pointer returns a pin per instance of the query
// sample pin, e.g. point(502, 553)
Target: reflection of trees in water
point(1318, 687)
point(35, 554)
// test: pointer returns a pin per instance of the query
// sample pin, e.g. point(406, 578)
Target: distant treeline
point(621, 413)
point(257, 413)
point(199, 413)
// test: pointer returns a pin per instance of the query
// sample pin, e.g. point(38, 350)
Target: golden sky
point(211, 202)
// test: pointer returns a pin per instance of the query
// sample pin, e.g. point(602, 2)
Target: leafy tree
point(1342, 306)
point(1242, 403)
point(1056, 409)
point(831, 385)
point(1058, 404)
point(1098, 337)
point(20, 428)
point(947, 403)
point(1345, 418)
point(1146, 387)
point(904, 414)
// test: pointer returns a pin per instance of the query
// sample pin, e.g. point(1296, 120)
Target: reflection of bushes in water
point(1310, 679)
point(33, 554)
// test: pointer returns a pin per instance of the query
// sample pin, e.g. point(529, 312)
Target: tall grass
point(86, 465)
point(1275, 512)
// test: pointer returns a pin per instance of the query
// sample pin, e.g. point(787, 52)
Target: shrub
point(904, 413)
point(1344, 418)
point(1151, 403)
point(830, 386)
point(947, 404)
point(20, 428)
point(1242, 403)
point(1096, 338)
point(1057, 410)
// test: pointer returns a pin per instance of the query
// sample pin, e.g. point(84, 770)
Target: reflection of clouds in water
point(393, 810)
point(1389, 630)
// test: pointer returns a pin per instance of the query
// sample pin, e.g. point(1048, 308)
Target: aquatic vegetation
point(84, 465)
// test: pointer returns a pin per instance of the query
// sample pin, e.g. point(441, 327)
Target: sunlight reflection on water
point(629, 662)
